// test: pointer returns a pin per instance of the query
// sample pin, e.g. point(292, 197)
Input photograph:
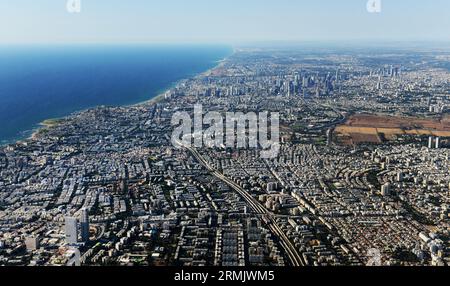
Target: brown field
point(398, 122)
point(375, 129)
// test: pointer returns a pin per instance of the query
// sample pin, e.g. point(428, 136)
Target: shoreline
point(52, 122)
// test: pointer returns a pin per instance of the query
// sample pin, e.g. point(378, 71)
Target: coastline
point(52, 122)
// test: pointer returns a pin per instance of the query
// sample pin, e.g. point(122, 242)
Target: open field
point(375, 129)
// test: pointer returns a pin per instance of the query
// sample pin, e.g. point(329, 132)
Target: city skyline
point(359, 178)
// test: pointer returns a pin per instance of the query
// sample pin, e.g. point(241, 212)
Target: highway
point(290, 250)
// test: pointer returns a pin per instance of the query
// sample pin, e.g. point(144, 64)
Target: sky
point(224, 21)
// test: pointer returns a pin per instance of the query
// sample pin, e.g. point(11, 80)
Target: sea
point(42, 82)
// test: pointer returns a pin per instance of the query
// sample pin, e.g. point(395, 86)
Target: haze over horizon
point(202, 21)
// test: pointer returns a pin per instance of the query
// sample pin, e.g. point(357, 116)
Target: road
point(290, 250)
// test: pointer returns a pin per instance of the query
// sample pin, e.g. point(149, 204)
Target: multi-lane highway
point(290, 250)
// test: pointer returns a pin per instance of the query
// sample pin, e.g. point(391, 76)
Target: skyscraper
point(71, 230)
point(438, 142)
point(84, 225)
point(329, 136)
point(386, 189)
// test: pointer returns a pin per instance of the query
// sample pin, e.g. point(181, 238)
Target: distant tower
point(289, 88)
point(71, 230)
point(329, 136)
point(434, 142)
point(385, 189)
point(305, 82)
point(84, 225)
point(379, 83)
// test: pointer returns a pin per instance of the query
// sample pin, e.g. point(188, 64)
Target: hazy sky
point(224, 21)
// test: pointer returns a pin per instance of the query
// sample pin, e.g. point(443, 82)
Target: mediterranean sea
point(42, 82)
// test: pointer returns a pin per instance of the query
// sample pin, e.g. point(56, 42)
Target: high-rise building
point(305, 82)
point(71, 230)
point(434, 142)
point(385, 189)
point(289, 88)
point(329, 136)
point(84, 221)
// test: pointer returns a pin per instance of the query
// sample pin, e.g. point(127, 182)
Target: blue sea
point(42, 82)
